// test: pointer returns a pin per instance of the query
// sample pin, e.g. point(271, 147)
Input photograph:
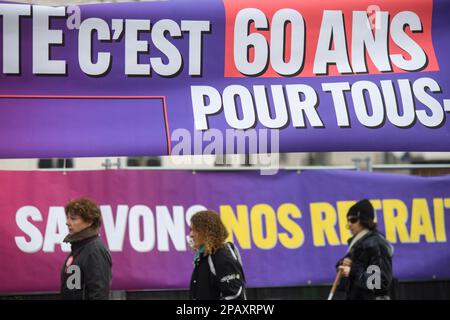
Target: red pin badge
point(69, 261)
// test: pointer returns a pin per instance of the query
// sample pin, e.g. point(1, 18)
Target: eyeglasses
point(352, 220)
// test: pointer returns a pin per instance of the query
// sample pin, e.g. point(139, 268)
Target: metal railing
point(409, 166)
point(359, 164)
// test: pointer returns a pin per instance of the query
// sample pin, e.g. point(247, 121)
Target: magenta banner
point(289, 227)
point(143, 78)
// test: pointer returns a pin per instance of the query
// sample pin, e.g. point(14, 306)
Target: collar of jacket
point(199, 254)
point(84, 234)
point(353, 240)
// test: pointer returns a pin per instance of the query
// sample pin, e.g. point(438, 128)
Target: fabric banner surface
point(133, 79)
point(289, 227)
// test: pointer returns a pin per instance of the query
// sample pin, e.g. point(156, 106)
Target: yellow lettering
point(439, 220)
point(421, 221)
point(396, 222)
point(447, 202)
point(237, 226)
point(297, 237)
point(323, 226)
point(258, 212)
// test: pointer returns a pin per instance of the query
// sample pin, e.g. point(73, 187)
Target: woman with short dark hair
point(218, 272)
point(86, 273)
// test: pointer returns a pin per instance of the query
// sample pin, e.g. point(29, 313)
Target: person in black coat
point(367, 266)
point(218, 272)
point(86, 273)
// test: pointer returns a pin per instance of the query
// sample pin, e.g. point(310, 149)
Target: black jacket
point(371, 250)
point(227, 284)
point(90, 255)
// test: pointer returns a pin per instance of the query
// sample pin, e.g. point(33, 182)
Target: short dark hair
point(87, 209)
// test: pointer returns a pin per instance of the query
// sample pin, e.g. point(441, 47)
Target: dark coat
point(371, 250)
point(94, 262)
point(227, 284)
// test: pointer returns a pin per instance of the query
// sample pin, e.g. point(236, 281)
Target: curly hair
point(211, 229)
point(87, 209)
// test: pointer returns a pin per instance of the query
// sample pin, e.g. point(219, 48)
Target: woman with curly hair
point(218, 272)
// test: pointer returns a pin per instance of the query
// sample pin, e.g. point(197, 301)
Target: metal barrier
point(357, 166)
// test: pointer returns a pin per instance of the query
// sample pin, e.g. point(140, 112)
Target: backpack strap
point(234, 252)
point(211, 265)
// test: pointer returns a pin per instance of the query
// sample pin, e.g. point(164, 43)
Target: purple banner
point(290, 228)
point(141, 78)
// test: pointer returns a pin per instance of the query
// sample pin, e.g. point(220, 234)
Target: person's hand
point(345, 270)
point(347, 262)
